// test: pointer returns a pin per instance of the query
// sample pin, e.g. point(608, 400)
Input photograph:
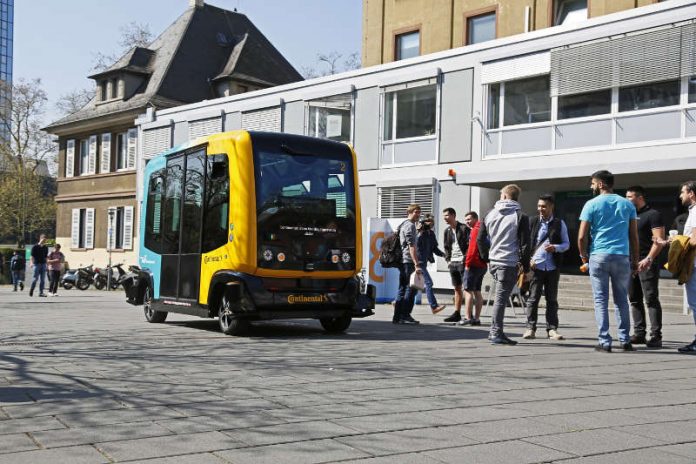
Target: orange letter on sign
point(374, 255)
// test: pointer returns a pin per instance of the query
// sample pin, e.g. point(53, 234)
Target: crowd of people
point(619, 241)
point(43, 263)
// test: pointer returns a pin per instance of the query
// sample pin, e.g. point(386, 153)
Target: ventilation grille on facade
point(393, 201)
point(204, 127)
point(262, 120)
point(155, 141)
point(661, 55)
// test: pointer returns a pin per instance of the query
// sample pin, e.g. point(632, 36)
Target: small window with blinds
point(82, 229)
point(393, 201)
point(203, 127)
point(156, 141)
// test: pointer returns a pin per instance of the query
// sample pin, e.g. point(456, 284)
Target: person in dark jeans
point(503, 240)
point(39, 252)
point(55, 261)
point(644, 284)
point(16, 268)
point(409, 264)
point(549, 240)
point(427, 247)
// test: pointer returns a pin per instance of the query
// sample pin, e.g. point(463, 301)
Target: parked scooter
point(80, 278)
point(101, 276)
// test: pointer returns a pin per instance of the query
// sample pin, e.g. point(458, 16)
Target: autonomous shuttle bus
point(248, 226)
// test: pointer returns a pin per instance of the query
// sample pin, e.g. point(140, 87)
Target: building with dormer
point(208, 52)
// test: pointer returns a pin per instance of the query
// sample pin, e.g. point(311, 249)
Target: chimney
point(196, 3)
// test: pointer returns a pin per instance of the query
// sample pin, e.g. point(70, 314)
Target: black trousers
point(644, 286)
point(546, 282)
point(54, 277)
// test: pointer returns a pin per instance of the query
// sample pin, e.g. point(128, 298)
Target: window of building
point(480, 28)
point(527, 101)
point(119, 227)
point(330, 118)
point(410, 113)
point(584, 104)
point(82, 228)
point(114, 88)
point(102, 91)
point(646, 96)
point(493, 114)
point(121, 151)
point(84, 157)
point(407, 45)
point(569, 11)
point(393, 201)
point(692, 89)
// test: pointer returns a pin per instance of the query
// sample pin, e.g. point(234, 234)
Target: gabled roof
point(180, 65)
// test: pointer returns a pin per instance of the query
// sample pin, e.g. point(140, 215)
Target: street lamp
point(112, 212)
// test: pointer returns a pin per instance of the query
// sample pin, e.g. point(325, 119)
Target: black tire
point(230, 324)
point(67, 285)
point(336, 324)
point(83, 284)
point(152, 316)
point(98, 284)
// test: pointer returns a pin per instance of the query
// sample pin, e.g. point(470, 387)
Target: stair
point(575, 292)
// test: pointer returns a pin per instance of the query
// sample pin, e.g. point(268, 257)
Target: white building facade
point(543, 110)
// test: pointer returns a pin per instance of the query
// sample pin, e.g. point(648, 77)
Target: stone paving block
point(117, 416)
point(408, 441)
point(643, 456)
point(412, 458)
point(52, 408)
point(508, 452)
point(240, 420)
point(662, 413)
point(667, 432)
point(200, 458)
point(307, 452)
point(687, 450)
point(72, 455)
point(171, 445)
point(588, 420)
point(114, 432)
point(286, 433)
point(509, 429)
point(223, 406)
point(479, 414)
point(29, 425)
point(589, 442)
point(563, 406)
point(391, 422)
point(16, 442)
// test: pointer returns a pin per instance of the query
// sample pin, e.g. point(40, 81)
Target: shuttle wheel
point(150, 314)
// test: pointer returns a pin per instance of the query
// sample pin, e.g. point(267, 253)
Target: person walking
point(611, 221)
point(39, 252)
point(549, 240)
point(409, 264)
point(644, 284)
point(427, 246)
point(455, 242)
point(55, 262)
point(17, 265)
point(503, 240)
point(474, 271)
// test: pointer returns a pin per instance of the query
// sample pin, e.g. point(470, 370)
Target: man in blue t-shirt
point(611, 222)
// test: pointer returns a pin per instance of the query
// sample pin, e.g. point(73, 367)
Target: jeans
point(546, 281)
point(617, 269)
point(644, 285)
point(428, 285)
point(39, 274)
point(16, 278)
point(691, 295)
point(505, 278)
point(54, 277)
point(406, 295)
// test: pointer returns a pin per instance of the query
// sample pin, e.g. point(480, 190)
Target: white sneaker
point(529, 334)
point(553, 335)
point(51, 294)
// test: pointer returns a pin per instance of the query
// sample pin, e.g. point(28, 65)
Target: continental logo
point(300, 299)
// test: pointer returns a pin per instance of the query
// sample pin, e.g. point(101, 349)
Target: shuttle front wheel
point(151, 315)
point(230, 324)
point(336, 324)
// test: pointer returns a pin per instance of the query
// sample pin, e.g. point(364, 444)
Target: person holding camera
point(427, 246)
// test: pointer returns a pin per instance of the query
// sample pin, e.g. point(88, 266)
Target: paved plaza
point(84, 379)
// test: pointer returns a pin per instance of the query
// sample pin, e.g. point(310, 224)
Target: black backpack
point(390, 254)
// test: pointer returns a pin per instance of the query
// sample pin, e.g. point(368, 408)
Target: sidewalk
point(84, 379)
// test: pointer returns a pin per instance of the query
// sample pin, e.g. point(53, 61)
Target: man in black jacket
point(549, 240)
point(455, 252)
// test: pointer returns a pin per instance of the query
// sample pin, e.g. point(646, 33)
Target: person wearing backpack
point(16, 268)
point(503, 240)
point(410, 264)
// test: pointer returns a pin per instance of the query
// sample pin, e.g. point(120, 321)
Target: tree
point(27, 157)
point(331, 64)
point(133, 34)
point(72, 101)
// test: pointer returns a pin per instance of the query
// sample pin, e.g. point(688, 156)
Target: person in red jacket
point(475, 269)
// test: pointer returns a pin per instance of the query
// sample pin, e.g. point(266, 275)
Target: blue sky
point(56, 40)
